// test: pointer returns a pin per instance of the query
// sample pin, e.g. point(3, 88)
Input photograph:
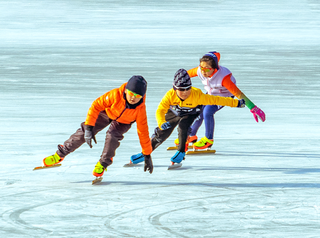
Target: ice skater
point(219, 81)
point(180, 106)
point(119, 108)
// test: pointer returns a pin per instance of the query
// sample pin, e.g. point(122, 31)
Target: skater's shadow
point(263, 154)
point(221, 168)
point(258, 169)
point(207, 184)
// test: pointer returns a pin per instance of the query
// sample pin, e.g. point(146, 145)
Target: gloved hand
point(258, 114)
point(148, 165)
point(88, 135)
point(241, 103)
point(165, 126)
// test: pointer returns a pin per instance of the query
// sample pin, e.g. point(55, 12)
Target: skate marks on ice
point(8, 182)
point(173, 215)
point(23, 226)
point(160, 220)
point(12, 217)
point(211, 215)
point(34, 220)
point(160, 213)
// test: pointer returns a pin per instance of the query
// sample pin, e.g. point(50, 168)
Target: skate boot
point(98, 170)
point(52, 160)
point(135, 160)
point(191, 139)
point(138, 158)
point(204, 143)
point(178, 157)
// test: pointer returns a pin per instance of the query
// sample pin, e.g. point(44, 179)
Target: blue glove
point(165, 126)
point(241, 103)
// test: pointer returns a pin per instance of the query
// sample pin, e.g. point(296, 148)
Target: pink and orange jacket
point(226, 83)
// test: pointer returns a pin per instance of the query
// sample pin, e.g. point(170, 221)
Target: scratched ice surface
point(57, 56)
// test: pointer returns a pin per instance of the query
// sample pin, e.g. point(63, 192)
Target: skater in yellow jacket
point(180, 106)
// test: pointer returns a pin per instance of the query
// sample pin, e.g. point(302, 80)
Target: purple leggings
point(207, 114)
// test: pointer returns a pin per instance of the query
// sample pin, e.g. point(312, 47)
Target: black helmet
point(181, 79)
point(137, 84)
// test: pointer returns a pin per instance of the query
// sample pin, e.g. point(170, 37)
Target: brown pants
point(183, 124)
point(113, 137)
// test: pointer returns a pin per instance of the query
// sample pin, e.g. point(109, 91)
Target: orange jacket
point(114, 104)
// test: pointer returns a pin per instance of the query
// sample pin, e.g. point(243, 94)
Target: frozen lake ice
point(58, 56)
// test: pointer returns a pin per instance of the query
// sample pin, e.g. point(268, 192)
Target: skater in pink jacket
point(218, 81)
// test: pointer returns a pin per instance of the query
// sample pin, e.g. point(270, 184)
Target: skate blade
point(194, 152)
point(175, 166)
point(175, 147)
point(97, 180)
point(47, 167)
point(131, 165)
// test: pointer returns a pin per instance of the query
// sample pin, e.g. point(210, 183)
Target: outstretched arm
point(257, 112)
point(228, 84)
point(193, 72)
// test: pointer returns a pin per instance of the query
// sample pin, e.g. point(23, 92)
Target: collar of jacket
point(132, 106)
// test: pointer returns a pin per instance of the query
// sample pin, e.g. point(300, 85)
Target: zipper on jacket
point(125, 108)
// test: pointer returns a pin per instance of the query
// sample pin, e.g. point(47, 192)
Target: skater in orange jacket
point(119, 108)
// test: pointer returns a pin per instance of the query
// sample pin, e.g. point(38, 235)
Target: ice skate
point(52, 160)
point(203, 144)
point(202, 147)
point(191, 139)
point(98, 172)
point(135, 160)
point(174, 165)
point(176, 160)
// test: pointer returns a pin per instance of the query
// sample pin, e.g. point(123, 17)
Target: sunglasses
point(205, 69)
point(132, 94)
point(183, 89)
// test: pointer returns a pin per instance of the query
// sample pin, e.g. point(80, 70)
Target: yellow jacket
point(197, 97)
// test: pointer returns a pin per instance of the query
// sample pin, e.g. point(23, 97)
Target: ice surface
point(58, 56)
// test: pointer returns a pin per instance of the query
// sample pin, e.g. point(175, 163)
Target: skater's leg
point(183, 130)
point(208, 115)
point(77, 139)
point(112, 142)
point(197, 123)
point(159, 136)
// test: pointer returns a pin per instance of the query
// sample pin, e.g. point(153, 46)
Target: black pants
point(113, 137)
point(183, 124)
